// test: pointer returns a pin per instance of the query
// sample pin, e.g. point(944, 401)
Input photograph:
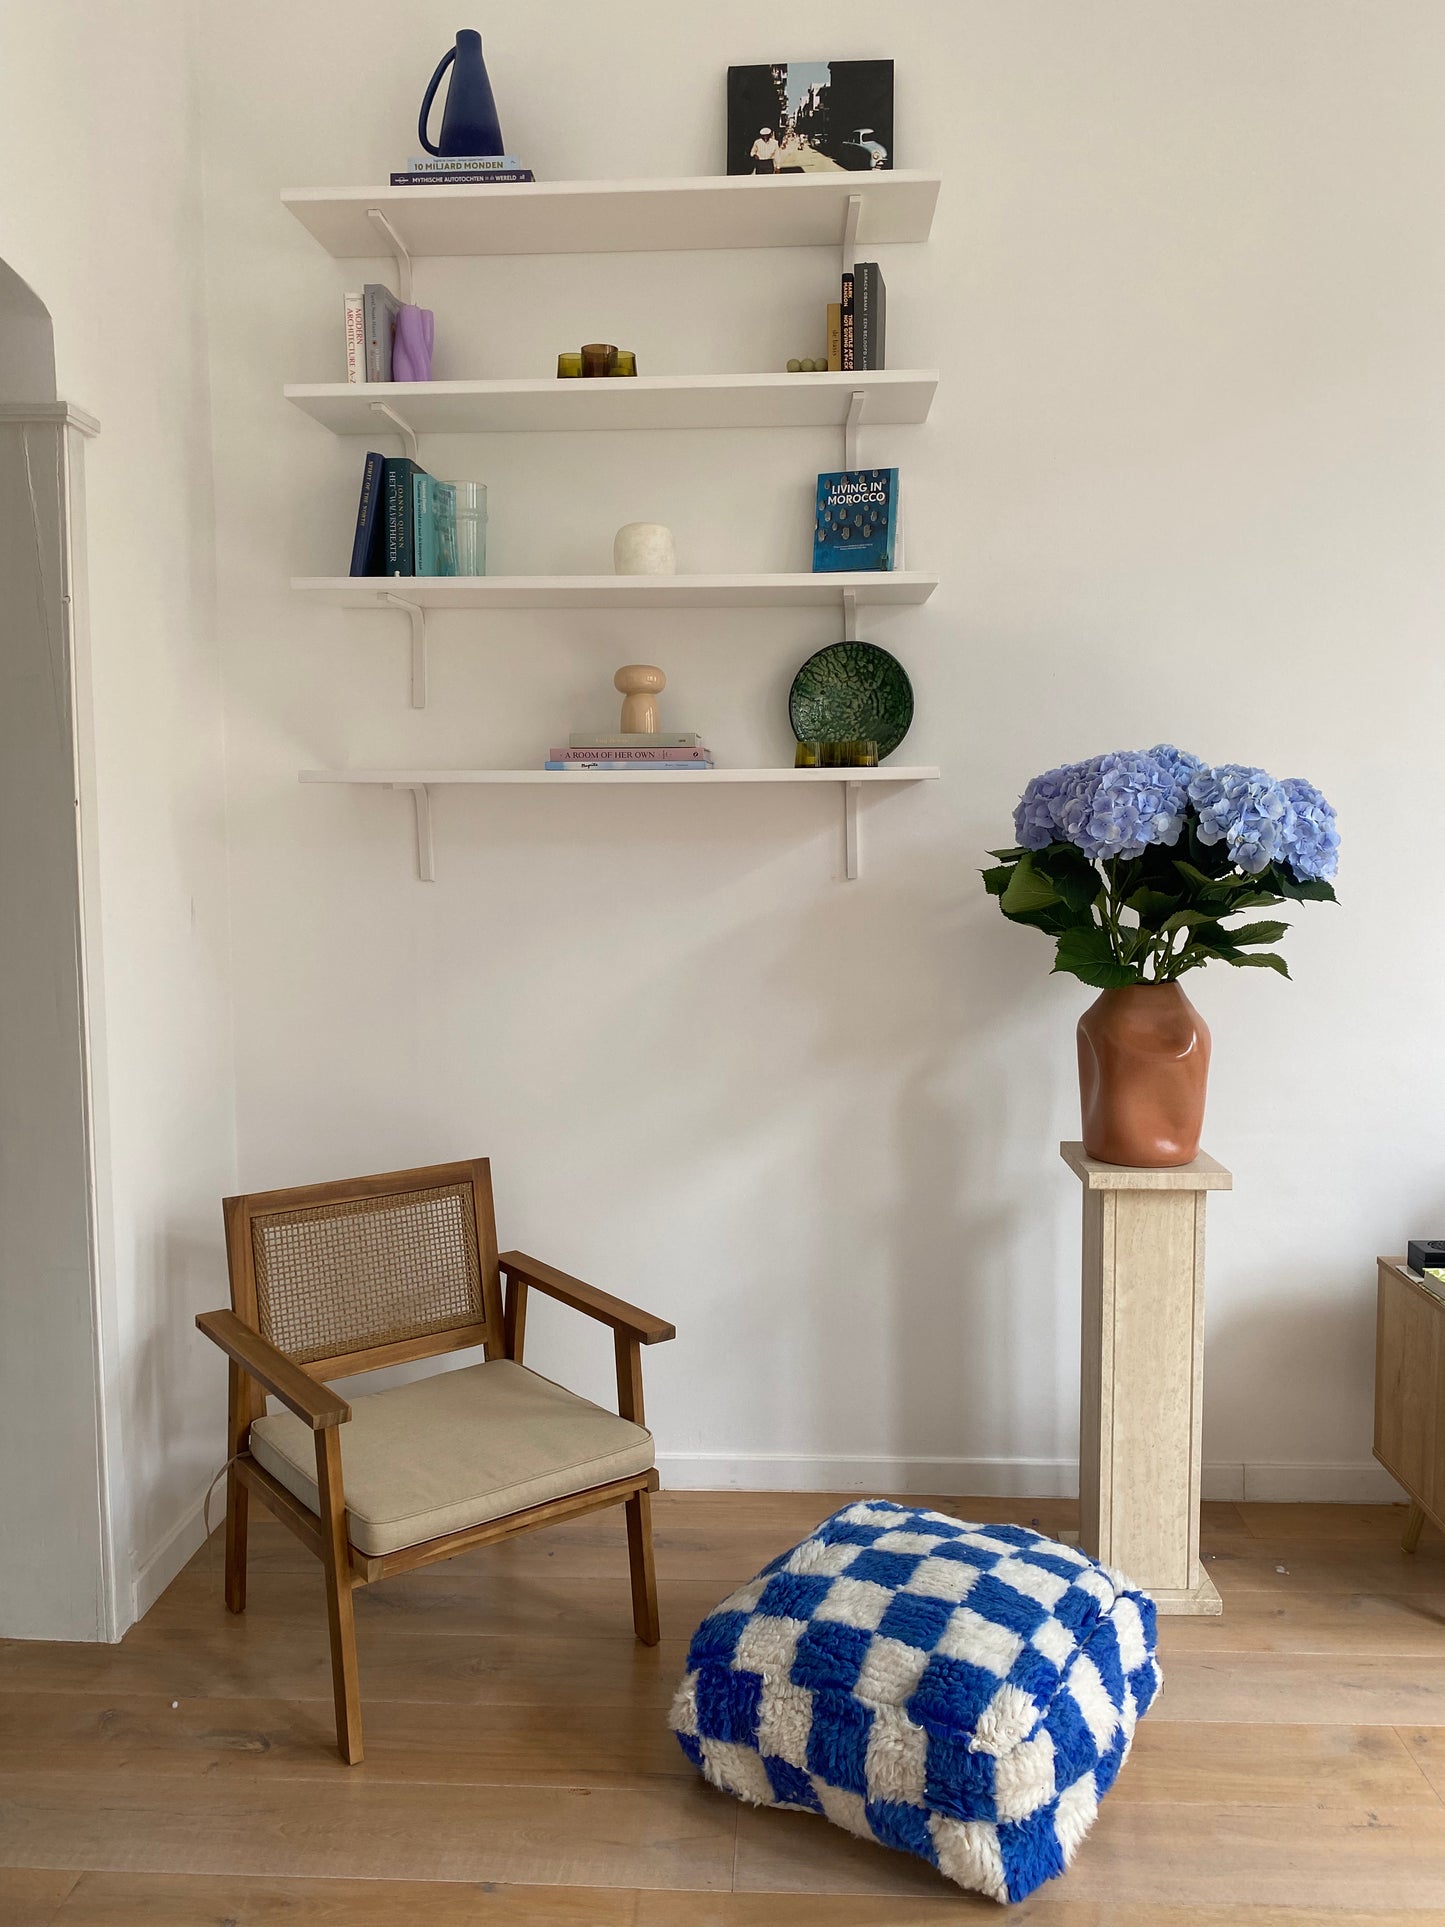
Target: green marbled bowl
point(848, 690)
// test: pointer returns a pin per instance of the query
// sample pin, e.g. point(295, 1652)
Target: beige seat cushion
point(455, 1450)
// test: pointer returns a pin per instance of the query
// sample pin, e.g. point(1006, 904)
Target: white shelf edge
point(786, 589)
point(421, 782)
point(406, 778)
point(690, 213)
point(538, 404)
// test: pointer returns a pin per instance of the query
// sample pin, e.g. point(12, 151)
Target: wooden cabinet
point(1410, 1392)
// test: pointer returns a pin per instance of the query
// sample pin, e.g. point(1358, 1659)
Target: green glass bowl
point(851, 690)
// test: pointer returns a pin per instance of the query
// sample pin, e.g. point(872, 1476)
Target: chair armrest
point(312, 1402)
point(615, 1312)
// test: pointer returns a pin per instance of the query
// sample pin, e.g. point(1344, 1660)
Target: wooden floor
point(519, 1771)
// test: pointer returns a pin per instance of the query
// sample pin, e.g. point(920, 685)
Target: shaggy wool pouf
point(962, 1692)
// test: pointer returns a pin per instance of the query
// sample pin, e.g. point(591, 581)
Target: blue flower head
point(1108, 806)
point(1246, 810)
point(1312, 842)
point(1036, 819)
point(1180, 764)
point(1120, 804)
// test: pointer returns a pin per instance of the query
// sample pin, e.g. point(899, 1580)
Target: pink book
point(669, 755)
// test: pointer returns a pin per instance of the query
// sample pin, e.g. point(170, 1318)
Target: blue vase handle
point(431, 93)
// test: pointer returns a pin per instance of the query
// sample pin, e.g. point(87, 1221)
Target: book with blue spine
point(857, 520)
point(399, 516)
point(366, 544)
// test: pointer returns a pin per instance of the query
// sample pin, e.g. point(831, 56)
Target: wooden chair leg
point(1413, 1527)
point(238, 1502)
point(340, 1616)
point(639, 1560)
point(238, 1498)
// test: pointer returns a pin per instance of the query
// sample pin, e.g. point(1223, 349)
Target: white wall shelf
point(418, 597)
point(620, 217)
point(421, 782)
point(525, 405)
point(890, 589)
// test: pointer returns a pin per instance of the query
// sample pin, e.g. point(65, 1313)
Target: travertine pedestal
point(1143, 1370)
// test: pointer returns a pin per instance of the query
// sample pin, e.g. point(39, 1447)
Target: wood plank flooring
point(519, 1772)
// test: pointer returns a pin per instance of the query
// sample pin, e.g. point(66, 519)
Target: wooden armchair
point(333, 1279)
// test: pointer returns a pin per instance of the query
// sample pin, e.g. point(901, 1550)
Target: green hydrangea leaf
point(1079, 888)
point(1088, 955)
point(1187, 919)
point(1151, 907)
point(995, 881)
point(1316, 890)
point(1264, 960)
point(1258, 933)
point(1027, 889)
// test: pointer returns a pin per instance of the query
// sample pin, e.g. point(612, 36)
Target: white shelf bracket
point(425, 857)
point(850, 428)
point(418, 644)
point(404, 429)
point(850, 231)
point(850, 830)
point(395, 247)
point(850, 615)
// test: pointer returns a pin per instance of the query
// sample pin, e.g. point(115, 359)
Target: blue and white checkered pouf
point(966, 1693)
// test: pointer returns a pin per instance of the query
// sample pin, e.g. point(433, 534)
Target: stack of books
point(370, 328)
point(406, 520)
point(665, 755)
point(475, 170)
point(856, 321)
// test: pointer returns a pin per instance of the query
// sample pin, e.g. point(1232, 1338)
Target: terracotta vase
point(1143, 1071)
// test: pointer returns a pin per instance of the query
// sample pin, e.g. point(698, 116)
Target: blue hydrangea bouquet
point(1137, 863)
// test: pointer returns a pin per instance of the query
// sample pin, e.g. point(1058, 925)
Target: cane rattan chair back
point(343, 1278)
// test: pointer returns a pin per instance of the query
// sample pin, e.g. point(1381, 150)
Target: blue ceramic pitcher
point(469, 118)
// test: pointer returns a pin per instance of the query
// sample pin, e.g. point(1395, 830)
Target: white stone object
point(643, 548)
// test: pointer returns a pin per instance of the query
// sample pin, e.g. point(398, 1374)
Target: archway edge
point(27, 369)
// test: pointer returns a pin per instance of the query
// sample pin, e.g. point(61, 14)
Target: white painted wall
point(102, 216)
point(1183, 480)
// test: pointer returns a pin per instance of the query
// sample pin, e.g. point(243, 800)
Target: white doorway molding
point(57, 1580)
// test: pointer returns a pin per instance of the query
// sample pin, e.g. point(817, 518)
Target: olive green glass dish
point(852, 690)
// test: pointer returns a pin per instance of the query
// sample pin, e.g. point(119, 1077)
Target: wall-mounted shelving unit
point(420, 783)
point(843, 211)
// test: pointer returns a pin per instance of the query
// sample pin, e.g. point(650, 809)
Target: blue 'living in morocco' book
point(857, 520)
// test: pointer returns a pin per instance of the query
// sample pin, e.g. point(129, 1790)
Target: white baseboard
point(152, 1575)
point(1358, 1483)
point(1354, 1482)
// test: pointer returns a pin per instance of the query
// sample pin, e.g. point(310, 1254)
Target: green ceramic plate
point(848, 690)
